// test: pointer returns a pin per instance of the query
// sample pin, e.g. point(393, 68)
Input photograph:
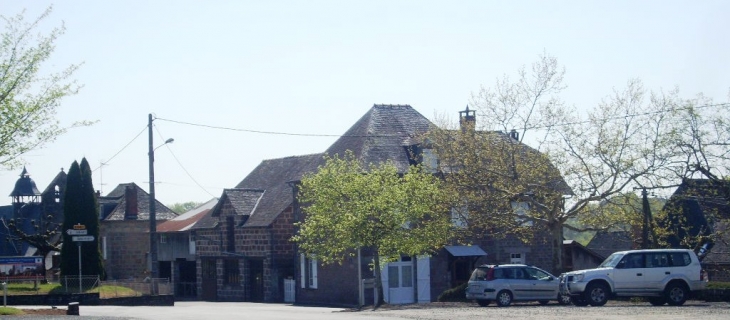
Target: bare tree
point(573, 159)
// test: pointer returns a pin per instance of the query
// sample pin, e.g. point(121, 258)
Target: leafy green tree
point(182, 207)
point(81, 208)
point(349, 205)
point(29, 92)
point(574, 160)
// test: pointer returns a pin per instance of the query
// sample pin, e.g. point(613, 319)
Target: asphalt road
point(244, 310)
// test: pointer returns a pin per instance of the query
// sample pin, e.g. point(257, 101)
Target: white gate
point(290, 286)
point(423, 277)
point(398, 282)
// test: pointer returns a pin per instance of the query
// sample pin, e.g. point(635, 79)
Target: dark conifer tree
point(89, 216)
point(71, 211)
point(81, 208)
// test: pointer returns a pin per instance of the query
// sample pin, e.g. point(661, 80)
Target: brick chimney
point(467, 119)
point(130, 203)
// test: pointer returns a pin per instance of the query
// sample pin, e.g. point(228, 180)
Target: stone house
point(124, 239)
point(177, 251)
point(245, 253)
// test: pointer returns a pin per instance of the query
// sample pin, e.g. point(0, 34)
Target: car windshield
point(611, 261)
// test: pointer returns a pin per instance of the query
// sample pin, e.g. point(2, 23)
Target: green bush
point(456, 294)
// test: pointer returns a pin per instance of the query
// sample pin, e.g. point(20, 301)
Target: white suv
point(663, 275)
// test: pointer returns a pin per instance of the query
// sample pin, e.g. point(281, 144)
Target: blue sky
point(317, 66)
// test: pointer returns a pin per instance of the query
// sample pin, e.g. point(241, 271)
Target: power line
point(181, 165)
point(376, 136)
point(120, 151)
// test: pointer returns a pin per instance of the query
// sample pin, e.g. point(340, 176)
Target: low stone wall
point(89, 299)
point(160, 300)
point(715, 295)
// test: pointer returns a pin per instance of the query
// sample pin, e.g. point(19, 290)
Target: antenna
point(101, 176)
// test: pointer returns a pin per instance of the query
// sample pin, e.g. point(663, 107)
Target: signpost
point(79, 236)
point(74, 232)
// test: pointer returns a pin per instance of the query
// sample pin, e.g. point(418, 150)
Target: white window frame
point(429, 160)
point(517, 258)
point(308, 272)
point(521, 209)
point(459, 217)
point(191, 244)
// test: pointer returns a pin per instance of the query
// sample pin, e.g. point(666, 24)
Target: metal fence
point(132, 288)
point(30, 286)
point(74, 284)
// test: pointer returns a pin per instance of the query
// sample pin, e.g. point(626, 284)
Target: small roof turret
point(25, 187)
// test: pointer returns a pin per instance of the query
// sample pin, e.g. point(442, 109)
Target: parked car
point(663, 275)
point(513, 282)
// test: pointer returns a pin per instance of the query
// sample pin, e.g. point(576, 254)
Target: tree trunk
point(556, 246)
point(378, 279)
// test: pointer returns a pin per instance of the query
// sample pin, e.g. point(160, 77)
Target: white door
point(398, 282)
point(424, 279)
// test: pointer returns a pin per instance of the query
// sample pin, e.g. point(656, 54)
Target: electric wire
point(181, 165)
point(120, 151)
point(375, 136)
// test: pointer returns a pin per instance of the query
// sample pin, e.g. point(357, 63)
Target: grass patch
point(28, 288)
point(22, 288)
point(106, 292)
point(8, 311)
point(717, 285)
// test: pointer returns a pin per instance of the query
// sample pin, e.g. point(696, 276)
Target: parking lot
point(612, 310)
point(461, 311)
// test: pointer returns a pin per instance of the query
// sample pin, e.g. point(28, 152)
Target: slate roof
point(188, 220)
point(383, 134)
point(242, 201)
point(604, 243)
point(272, 176)
point(60, 180)
point(114, 205)
point(576, 244)
point(25, 186)
point(707, 209)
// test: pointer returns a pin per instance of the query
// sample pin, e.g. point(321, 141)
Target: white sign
point(73, 232)
point(82, 238)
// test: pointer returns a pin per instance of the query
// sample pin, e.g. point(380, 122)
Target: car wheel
point(579, 301)
point(564, 299)
point(504, 298)
point(657, 301)
point(483, 303)
point(675, 294)
point(597, 294)
point(543, 302)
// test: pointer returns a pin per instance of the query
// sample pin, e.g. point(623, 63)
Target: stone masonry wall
point(127, 246)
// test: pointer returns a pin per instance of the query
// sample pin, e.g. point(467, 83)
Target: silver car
point(513, 282)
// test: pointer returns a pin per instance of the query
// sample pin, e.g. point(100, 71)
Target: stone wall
point(127, 248)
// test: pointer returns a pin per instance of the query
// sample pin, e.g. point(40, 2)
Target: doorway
point(256, 279)
point(209, 280)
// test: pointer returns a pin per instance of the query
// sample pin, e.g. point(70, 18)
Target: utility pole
point(153, 215)
point(645, 242)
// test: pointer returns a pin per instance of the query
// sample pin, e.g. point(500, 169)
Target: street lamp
point(153, 216)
